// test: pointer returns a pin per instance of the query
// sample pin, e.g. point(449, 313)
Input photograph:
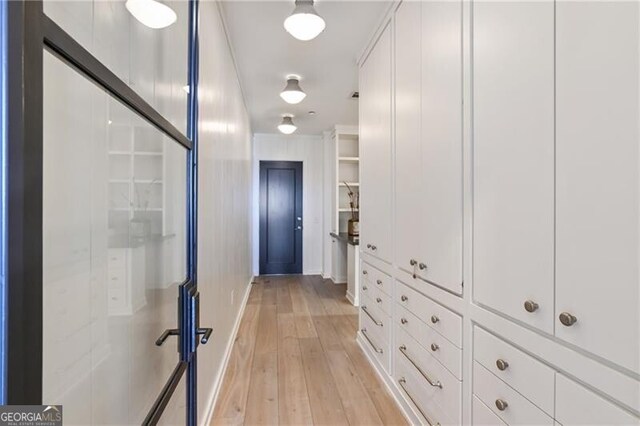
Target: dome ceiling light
point(151, 13)
point(304, 23)
point(287, 127)
point(292, 93)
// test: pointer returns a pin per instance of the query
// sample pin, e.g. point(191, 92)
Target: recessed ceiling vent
point(355, 95)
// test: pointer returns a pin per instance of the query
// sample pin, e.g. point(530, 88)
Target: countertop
point(345, 237)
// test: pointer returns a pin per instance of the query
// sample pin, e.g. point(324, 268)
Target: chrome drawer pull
point(402, 381)
point(364, 333)
point(501, 404)
point(502, 364)
point(435, 384)
point(375, 321)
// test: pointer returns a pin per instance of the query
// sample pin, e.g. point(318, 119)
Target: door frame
point(262, 231)
point(26, 34)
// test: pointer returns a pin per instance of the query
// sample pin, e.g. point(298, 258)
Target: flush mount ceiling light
point(304, 23)
point(151, 13)
point(292, 93)
point(287, 127)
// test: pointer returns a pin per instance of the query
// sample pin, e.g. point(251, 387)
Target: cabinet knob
point(364, 272)
point(374, 248)
point(379, 282)
point(434, 319)
point(403, 320)
point(413, 262)
point(567, 319)
point(530, 306)
point(365, 288)
point(502, 364)
point(378, 300)
point(404, 298)
point(501, 404)
point(422, 266)
point(434, 347)
point(368, 245)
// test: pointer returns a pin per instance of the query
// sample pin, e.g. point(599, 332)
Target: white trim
point(217, 384)
point(378, 29)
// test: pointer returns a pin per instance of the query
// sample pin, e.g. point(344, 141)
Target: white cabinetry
point(513, 136)
point(375, 150)
point(597, 178)
point(428, 141)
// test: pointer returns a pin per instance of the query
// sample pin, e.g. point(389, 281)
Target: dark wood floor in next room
point(295, 361)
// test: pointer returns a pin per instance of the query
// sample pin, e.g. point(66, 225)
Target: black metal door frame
point(27, 33)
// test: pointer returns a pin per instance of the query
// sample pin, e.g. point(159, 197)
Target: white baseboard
point(350, 298)
point(217, 384)
point(339, 280)
point(405, 409)
point(313, 272)
point(326, 276)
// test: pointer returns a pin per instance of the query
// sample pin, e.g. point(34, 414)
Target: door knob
point(567, 319)
point(434, 319)
point(434, 347)
point(502, 364)
point(205, 333)
point(501, 404)
point(530, 306)
point(165, 335)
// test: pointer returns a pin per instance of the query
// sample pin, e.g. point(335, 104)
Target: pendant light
point(286, 126)
point(151, 13)
point(292, 93)
point(304, 23)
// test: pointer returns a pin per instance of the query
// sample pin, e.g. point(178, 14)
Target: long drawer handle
point(402, 381)
point(435, 384)
point(366, 336)
point(375, 321)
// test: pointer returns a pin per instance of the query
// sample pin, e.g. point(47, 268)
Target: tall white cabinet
point(375, 150)
point(508, 291)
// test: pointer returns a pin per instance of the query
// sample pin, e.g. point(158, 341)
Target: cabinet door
point(408, 220)
point(513, 158)
point(375, 146)
point(597, 173)
point(441, 170)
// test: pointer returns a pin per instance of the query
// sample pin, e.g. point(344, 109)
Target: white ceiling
point(265, 53)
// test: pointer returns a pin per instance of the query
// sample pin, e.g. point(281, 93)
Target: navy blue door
point(280, 217)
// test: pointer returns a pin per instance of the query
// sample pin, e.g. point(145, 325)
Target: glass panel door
point(114, 236)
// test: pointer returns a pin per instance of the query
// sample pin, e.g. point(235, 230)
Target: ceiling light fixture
point(304, 23)
point(287, 127)
point(292, 93)
point(151, 13)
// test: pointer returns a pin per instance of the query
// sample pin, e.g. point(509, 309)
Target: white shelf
point(350, 184)
point(148, 153)
point(119, 152)
point(349, 159)
point(346, 210)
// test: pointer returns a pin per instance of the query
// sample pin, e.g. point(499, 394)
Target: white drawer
point(117, 258)
point(441, 319)
point(528, 376)
point(376, 277)
point(117, 297)
point(446, 352)
point(445, 389)
point(482, 415)
point(370, 310)
point(492, 391)
point(576, 405)
point(376, 340)
point(423, 397)
point(377, 296)
point(117, 278)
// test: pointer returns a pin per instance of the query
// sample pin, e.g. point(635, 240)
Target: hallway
point(295, 361)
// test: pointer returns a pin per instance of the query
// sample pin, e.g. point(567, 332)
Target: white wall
point(309, 150)
point(224, 245)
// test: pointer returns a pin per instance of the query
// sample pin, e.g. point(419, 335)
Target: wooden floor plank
point(231, 404)
point(262, 401)
point(269, 292)
point(293, 400)
point(358, 407)
point(283, 298)
point(267, 338)
point(326, 333)
point(326, 405)
point(255, 295)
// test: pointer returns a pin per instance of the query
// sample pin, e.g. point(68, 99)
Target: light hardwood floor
point(295, 361)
